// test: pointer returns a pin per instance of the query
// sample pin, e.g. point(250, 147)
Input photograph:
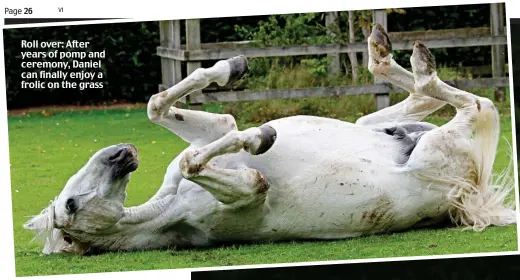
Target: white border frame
point(171, 10)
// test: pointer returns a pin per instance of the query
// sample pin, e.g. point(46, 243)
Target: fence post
point(497, 51)
point(193, 43)
point(170, 36)
point(382, 99)
point(331, 21)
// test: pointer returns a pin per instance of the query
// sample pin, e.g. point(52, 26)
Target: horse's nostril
point(121, 153)
point(117, 155)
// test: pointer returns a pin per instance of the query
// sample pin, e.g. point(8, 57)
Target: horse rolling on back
point(300, 177)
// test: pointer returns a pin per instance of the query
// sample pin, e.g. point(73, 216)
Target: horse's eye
point(70, 205)
point(67, 239)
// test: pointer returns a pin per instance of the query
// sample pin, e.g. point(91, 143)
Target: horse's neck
point(139, 228)
point(145, 212)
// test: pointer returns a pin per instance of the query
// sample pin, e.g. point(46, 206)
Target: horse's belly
point(339, 207)
point(327, 212)
point(331, 179)
point(311, 150)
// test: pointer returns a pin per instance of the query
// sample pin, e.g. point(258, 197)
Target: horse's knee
point(188, 164)
point(155, 106)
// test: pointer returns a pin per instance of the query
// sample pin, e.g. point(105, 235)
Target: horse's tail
point(485, 201)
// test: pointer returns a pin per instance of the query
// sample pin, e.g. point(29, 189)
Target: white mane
point(43, 225)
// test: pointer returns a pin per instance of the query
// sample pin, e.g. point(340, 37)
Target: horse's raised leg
point(197, 127)
point(382, 65)
point(470, 107)
point(459, 155)
point(239, 185)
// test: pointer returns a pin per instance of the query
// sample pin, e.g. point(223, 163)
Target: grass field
point(46, 150)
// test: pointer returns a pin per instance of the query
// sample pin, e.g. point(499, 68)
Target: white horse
point(300, 177)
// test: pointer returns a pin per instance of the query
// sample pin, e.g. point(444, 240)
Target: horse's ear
point(42, 221)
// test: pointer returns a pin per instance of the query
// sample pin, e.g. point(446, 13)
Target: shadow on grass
point(238, 245)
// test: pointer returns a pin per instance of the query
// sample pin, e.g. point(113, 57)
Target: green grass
point(46, 151)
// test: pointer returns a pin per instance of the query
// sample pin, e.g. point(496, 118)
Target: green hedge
point(131, 68)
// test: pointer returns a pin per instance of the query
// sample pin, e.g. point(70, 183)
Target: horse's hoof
point(422, 54)
point(239, 68)
point(268, 137)
point(380, 40)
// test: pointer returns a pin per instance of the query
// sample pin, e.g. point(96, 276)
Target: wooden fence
point(172, 53)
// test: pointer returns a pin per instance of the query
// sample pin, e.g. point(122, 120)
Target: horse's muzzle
point(123, 158)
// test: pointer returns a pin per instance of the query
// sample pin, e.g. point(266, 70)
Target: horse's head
point(91, 202)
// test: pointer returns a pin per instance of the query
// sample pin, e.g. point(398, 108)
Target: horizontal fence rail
point(394, 36)
point(452, 38)
point(217, 54)
point(234, 96)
